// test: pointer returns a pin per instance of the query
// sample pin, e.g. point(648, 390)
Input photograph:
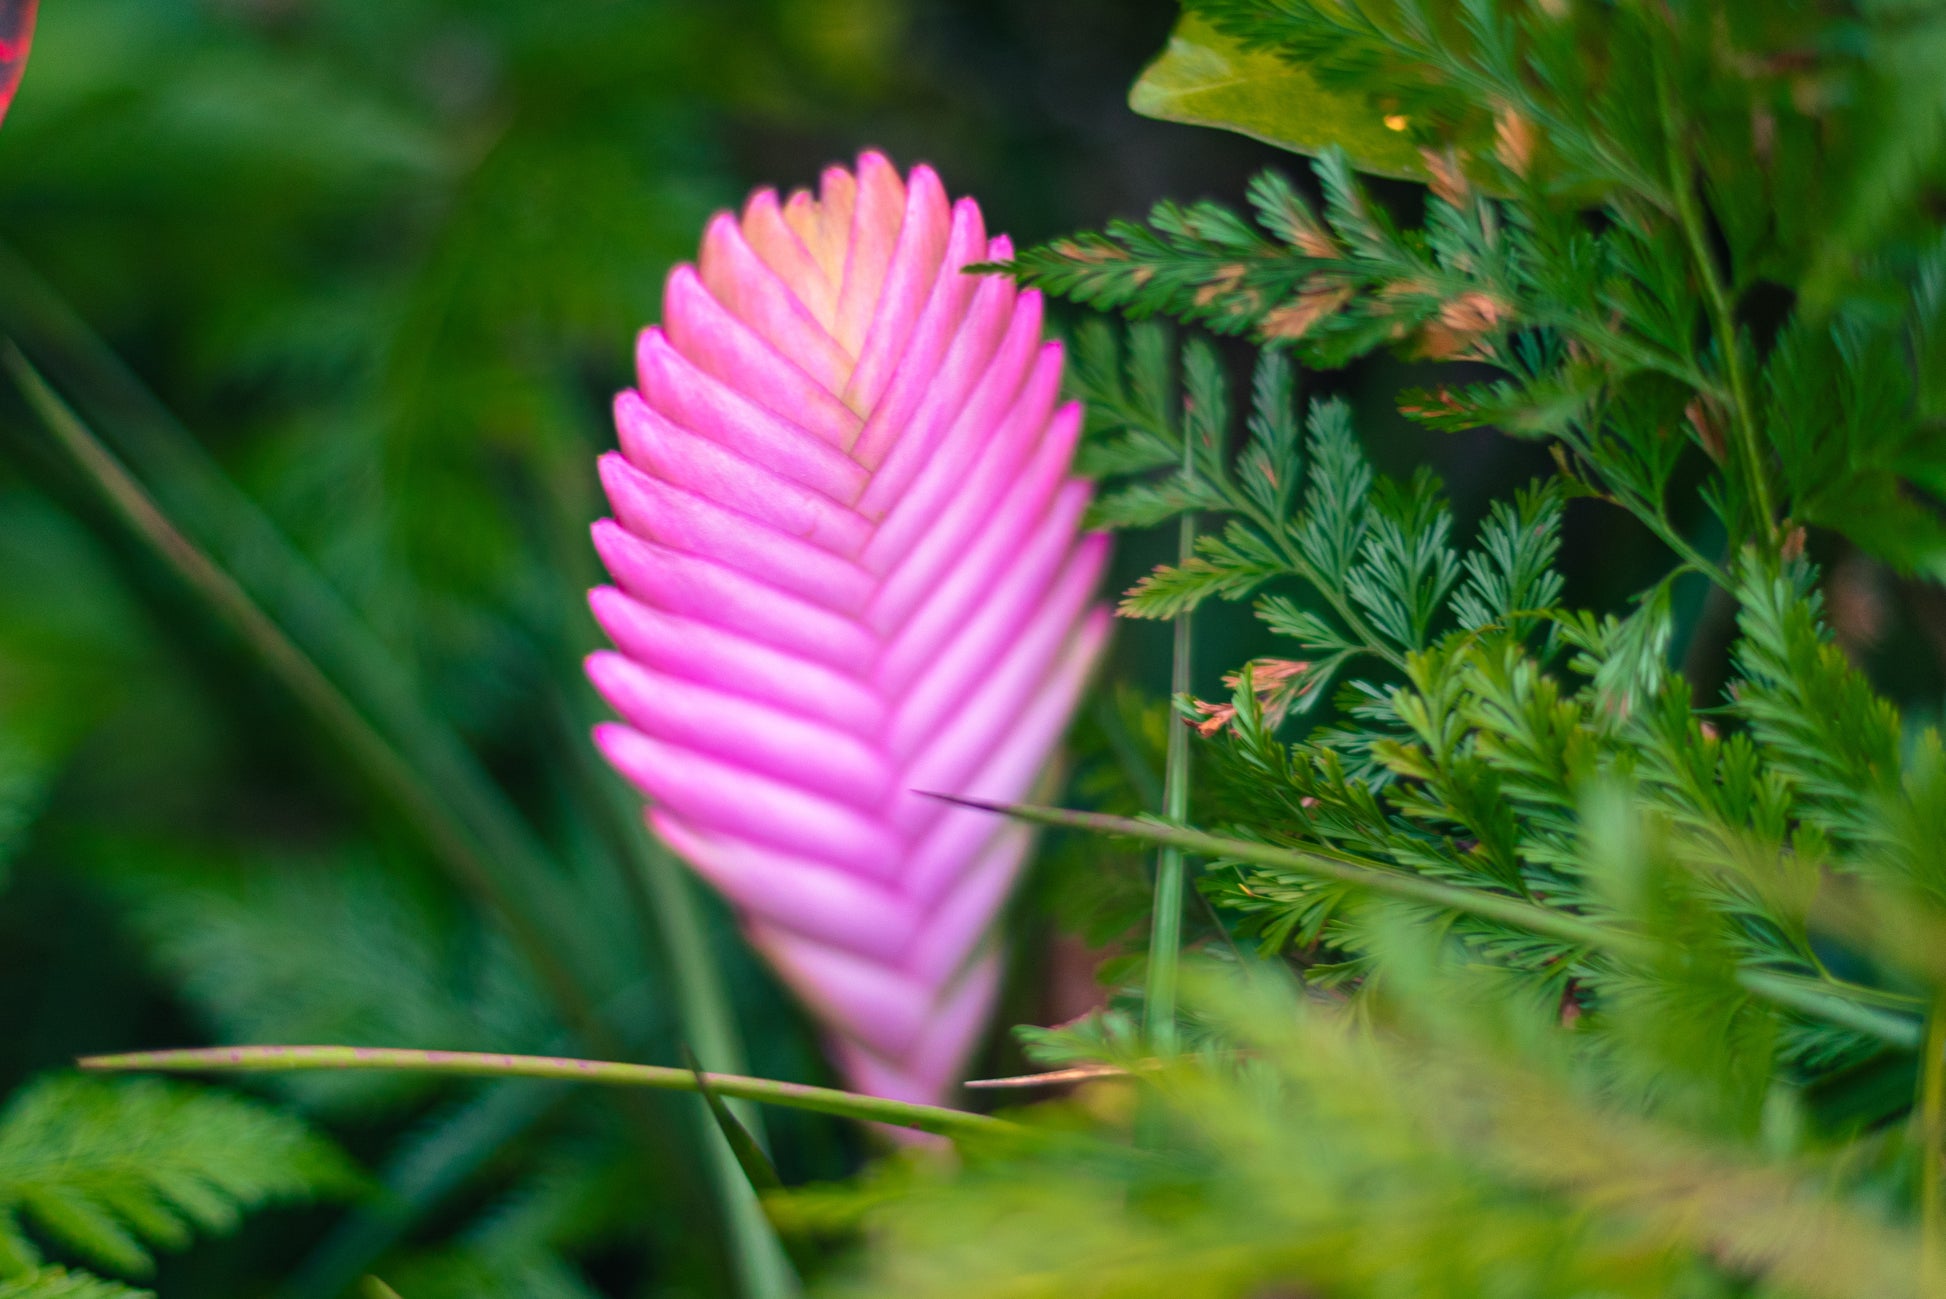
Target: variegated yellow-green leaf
point(1204, 78)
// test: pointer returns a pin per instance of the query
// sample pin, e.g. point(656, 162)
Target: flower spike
point(848, 568)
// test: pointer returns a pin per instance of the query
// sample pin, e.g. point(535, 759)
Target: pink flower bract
point(848, 567)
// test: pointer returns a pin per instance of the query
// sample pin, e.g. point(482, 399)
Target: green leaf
point(751, 1158)
point(1203, 78)
point(1218, 570)
point(110, 1169)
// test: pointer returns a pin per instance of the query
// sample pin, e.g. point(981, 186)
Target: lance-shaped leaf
point(1205, 78)
point(847, 567)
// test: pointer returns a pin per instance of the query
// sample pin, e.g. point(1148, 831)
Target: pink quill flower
point(848, 567)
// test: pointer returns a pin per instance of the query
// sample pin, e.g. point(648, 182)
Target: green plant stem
point(1828, 999)
point(1722, 311)
point(1652, 517)
point(1372, 876)
point(1165, 932)
point(476, 1064)
point(1865, 1010)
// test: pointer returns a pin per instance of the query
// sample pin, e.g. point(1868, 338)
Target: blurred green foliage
point(342, 290)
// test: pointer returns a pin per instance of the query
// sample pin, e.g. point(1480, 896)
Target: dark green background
point(385, 263)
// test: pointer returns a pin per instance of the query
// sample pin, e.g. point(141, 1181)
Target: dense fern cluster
point(1478, 718)
point(1683, 242)
point(109, 1171)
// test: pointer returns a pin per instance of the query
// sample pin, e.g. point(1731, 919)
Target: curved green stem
point(477, 1064)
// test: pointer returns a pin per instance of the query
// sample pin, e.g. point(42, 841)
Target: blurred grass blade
point(665, 895)
point(1929, 1116)
point(765, 1255)
point(188, 485)
point(472, 1064)
point(762, 1257)
point(373, 1288)
point(208, 513)
point(251, 574)
point(750, 1156)
point(453, 845)
point(324, 652)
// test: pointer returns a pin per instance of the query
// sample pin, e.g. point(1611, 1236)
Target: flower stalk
point(1165, 935)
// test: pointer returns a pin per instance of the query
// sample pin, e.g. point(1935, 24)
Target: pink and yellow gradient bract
point(848, 566)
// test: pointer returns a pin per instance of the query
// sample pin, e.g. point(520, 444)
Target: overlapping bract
point(848, 567)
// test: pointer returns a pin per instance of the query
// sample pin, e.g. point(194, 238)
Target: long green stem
point(1165, 932)
point(943, 1122)
point(1828, 999)
point(1716, 296)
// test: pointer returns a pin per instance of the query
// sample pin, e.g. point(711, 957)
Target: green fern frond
point(114, 1170)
